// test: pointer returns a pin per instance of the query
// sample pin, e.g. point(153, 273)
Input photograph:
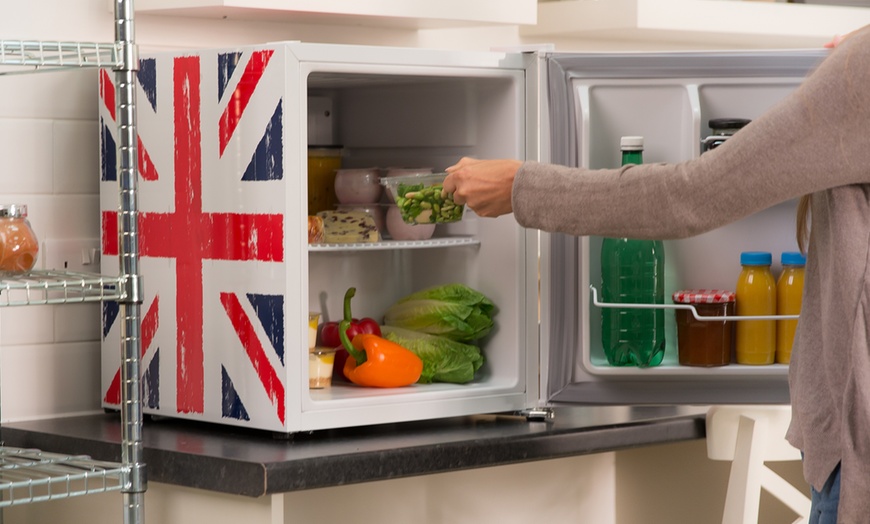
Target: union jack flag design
point(211, 224)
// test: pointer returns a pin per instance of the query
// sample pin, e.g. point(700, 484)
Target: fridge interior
point(670, 108)
point(391, 118)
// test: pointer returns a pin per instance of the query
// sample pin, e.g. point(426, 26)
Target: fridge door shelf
point(721, 318)
point(670, 368)
point(388, 245)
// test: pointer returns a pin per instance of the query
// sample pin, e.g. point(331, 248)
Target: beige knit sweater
point(815, 141)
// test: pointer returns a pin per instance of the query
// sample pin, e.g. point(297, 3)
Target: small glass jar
point(705, 343)
point(320, 363)
point(721, 129)
point(18, 244)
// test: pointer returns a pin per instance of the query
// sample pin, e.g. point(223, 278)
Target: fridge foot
point(538, 414)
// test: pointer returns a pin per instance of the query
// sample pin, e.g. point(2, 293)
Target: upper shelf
point(740, 24)
point(56, 287)
point(417, 14)
point(30, 55)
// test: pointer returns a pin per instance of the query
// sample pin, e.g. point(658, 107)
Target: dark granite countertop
point(254, 463)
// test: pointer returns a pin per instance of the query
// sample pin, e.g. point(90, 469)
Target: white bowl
point(399, 230)
point(358, 186)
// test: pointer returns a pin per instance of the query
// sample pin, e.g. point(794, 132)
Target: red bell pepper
point(329, 335)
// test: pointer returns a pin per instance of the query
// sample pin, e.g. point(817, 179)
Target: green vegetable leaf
point(454, 311)
point(444, 360)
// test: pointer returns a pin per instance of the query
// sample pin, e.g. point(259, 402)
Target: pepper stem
point(359, 356)
point(347, 296)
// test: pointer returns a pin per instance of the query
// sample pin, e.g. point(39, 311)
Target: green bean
point(422, 205)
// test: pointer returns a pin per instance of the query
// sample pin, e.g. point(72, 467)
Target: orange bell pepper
point(378, 362)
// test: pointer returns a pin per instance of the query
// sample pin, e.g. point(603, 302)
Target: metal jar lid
point(13, 211)
point(728, 123)
point(704, 296)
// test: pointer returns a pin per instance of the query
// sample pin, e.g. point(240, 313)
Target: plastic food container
point(320, 362)
point(313, 322)
point(421, 199)
point(358, 186)
point(705, 343)
point(399, 230)
point(404, 171)
point(18, 244)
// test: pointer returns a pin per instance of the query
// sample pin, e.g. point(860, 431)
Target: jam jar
point(721, 129)
point(705, 343)
point(18, 244)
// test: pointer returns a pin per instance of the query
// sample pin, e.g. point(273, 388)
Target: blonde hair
point(803, 223)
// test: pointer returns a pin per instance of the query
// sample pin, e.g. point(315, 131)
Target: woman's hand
point(837, 40)
point(484, 185)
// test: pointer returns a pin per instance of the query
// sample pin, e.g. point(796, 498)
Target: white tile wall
point(49, 355)
point(48, 380)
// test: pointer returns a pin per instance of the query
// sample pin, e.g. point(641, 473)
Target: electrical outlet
point(80, 255)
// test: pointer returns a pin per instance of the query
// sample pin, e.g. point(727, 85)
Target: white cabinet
point(708, 23)
point(416, 14)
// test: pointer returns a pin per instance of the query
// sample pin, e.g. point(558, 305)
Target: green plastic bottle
point(632, 272)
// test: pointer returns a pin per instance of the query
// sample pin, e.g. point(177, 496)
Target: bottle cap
point(755, 258)
point(631, 143)
point(793, 258)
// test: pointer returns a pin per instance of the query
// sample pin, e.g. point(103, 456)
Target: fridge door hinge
point(538, 414)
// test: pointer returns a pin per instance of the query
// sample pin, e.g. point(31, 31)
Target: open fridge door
point(668, 98)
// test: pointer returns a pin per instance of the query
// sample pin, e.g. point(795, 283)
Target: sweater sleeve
point(814, 139)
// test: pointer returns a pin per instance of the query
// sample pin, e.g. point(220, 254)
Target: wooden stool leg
point(744, 483)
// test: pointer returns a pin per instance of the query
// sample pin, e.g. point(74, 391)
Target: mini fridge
point(230, 279)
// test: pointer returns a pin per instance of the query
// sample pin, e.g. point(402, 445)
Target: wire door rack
point(28, 475)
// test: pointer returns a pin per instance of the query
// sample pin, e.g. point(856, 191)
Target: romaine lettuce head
point(454, 311)
point(444, 360)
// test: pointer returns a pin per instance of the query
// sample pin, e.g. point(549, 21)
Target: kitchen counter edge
point(255, 463)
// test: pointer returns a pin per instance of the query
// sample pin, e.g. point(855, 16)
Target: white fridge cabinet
point(230, 278)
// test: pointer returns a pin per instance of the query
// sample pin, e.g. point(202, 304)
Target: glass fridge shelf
point(56, 287)
point(31, 475)
point(36, 55)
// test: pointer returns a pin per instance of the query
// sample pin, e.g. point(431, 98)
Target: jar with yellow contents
point(323, 162)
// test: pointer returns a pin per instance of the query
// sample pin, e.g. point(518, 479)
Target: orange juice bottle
point(756, 295)
point(789, 290)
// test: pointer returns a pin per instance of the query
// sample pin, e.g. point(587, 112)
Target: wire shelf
point(720, 318)
point(56, 287)
point(31, 475)
point(53, 54)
